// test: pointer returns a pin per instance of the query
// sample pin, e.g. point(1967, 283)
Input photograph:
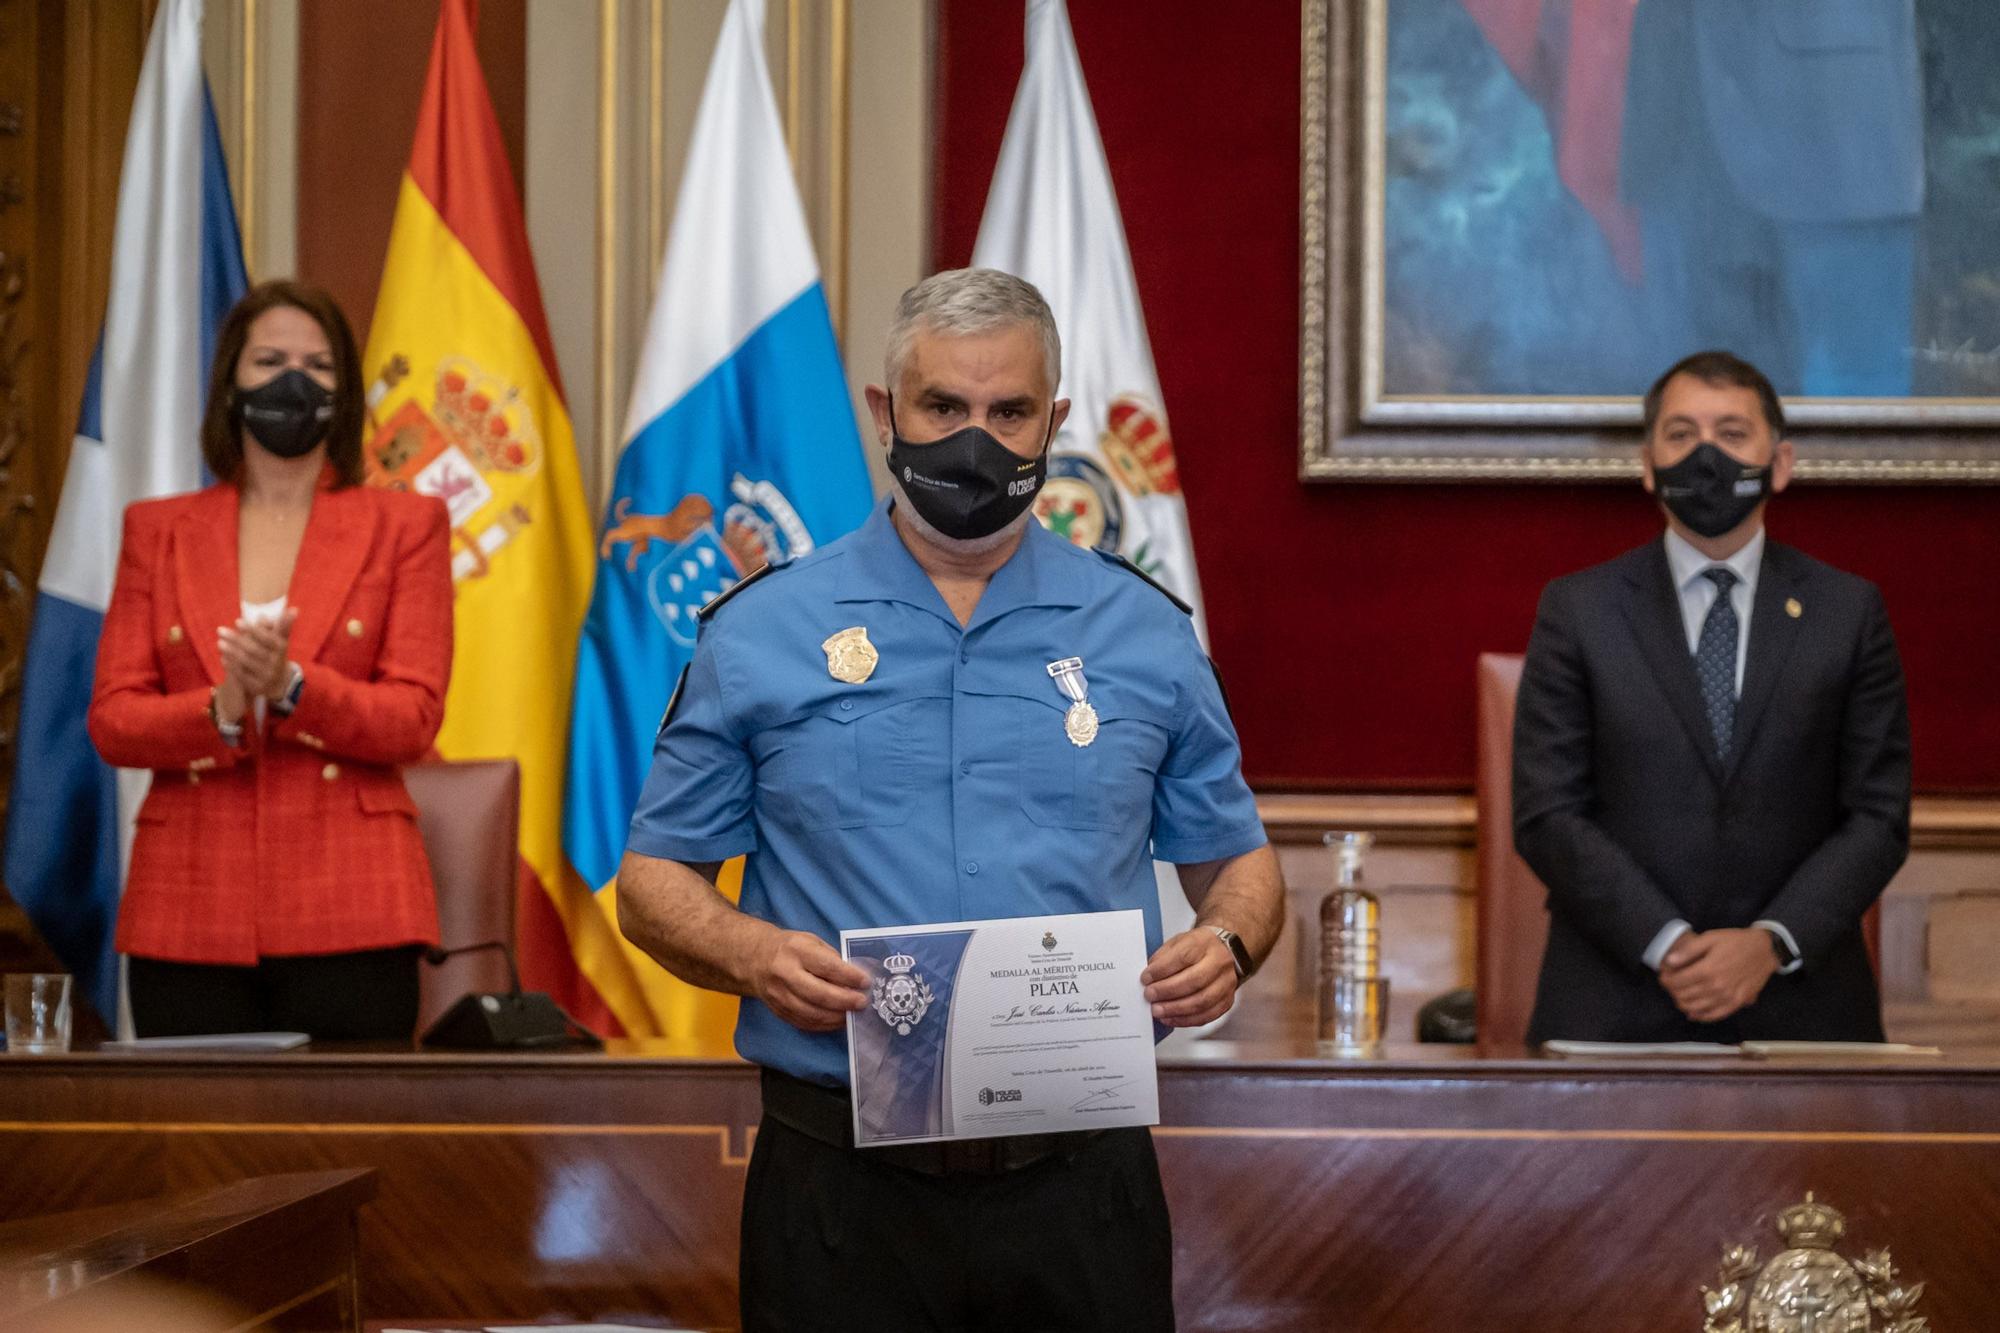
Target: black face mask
point(967, 485)
point(1710, 491)
point(288, 414)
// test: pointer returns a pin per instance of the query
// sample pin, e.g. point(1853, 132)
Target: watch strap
point(1239, 953)
point(231, 732)
point(295, 685)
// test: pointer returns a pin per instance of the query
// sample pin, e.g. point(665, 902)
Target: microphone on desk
point(514, 1020)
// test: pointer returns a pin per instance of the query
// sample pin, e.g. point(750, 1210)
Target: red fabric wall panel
point(361, 73)
point(1346, 618)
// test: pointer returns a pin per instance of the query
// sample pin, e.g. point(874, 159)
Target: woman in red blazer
point(276, 644)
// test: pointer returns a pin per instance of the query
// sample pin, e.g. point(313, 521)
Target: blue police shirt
point(944, 787)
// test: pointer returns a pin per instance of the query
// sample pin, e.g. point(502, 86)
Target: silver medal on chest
point(1080, 722)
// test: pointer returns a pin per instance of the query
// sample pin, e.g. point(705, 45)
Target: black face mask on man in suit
point(1710, 491)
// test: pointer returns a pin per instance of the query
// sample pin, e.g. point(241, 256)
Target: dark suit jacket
point(1814, 108)
point(1623, 808)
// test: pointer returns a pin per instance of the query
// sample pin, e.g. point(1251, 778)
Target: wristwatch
point(231, 732)
point(295, 685)
point(1238, 954)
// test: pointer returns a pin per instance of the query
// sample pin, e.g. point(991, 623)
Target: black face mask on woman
point(967, 485)
point(287, 414)
point(1710, 491)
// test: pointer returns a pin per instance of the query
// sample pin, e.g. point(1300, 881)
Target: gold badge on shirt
point(1793, 609)
point(850, 658)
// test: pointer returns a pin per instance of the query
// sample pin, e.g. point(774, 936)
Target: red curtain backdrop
point(1346, 618)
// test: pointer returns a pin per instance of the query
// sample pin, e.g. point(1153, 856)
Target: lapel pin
point(1793, 609)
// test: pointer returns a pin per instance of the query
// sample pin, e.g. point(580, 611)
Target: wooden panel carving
point(67, 71)
point(21, 531)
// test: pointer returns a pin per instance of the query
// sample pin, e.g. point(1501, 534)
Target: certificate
point(976, 1029)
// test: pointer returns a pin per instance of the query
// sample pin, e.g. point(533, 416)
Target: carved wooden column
point(67, 72)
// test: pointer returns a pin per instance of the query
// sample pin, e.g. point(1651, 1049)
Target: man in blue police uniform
point(876, 725)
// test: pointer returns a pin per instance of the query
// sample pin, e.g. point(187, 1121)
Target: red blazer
point(303, 839)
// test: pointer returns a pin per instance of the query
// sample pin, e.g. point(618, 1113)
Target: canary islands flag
point(466, 405)
point(176, 268)
point(740, 450)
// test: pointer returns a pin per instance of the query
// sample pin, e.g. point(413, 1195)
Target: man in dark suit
point(1775, 152)
point(1711, 754)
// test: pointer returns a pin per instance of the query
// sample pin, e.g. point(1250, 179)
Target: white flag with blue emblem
point(1052, 218)
point(741, 448)
point(176, 268)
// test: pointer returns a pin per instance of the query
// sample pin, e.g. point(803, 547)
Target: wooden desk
point(1434, 1190)
point(280, 1249)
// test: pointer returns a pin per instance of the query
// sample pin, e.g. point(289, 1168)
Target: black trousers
point(369, 995)
point(833, 1240)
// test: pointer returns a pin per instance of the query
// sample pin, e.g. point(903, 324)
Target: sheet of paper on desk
point(214, 1041)
point(555, 1328)
point(587, 1328)
point(1866, 1050)
point(1640, 1050)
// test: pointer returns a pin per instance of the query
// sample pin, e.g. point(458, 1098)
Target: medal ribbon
point(1068, 676)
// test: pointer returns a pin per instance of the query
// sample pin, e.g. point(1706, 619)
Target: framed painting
point(1516, 213)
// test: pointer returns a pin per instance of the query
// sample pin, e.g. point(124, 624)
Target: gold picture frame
point(1353, 429)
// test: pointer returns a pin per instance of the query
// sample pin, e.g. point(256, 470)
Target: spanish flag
point(465, 404)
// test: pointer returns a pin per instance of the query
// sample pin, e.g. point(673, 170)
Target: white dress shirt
point(1697, 595)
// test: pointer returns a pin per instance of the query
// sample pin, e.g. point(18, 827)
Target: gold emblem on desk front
point(850, 658)
point(1809, 1287)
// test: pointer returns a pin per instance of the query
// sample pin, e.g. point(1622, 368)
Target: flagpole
point(841, 131)
point(247, 227)
point(609, 428)
point(656, 142)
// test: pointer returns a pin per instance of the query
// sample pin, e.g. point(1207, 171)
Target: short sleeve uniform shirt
point(944, 787)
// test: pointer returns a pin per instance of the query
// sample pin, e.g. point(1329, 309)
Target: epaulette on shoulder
point(1150, 581)
point(717, 602)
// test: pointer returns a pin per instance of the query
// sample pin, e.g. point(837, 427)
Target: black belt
point(827, 1114)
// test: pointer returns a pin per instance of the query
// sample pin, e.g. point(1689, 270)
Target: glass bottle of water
point(1353, 993)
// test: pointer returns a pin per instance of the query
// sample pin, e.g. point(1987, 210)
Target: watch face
point(1240, 954)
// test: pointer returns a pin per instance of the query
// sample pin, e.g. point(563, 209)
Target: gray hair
point(971, 300)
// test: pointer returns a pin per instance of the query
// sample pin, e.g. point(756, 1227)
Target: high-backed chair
point(1513, 909)
point(469, 813)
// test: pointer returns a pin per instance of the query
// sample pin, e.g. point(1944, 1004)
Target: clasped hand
point(255, 662)
point(1715, 973)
